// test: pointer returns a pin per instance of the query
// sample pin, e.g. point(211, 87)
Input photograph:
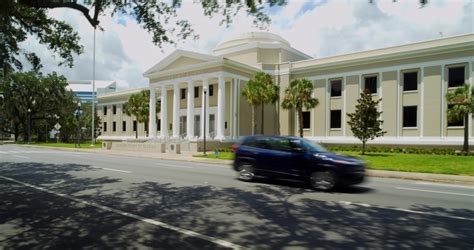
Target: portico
point(216, 93)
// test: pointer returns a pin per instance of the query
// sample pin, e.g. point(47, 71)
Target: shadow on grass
point(257, 216)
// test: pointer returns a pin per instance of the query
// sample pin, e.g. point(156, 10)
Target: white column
point(205, 106)
point(190, 113)
point(220, 108)
point(164, 112)
point(176, 110)
point(152, 115)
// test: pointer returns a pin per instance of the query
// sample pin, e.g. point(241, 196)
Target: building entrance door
point(197, 125)
point(212, 125)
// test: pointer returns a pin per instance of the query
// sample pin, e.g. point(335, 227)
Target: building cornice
point(409, 51)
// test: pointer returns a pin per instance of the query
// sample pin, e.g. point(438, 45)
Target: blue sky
point(318, 28)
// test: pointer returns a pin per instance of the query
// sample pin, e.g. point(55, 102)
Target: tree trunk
point(263, 119)
point(363, 147)
point(254, 125)
point(300, 119)
point(466, 134)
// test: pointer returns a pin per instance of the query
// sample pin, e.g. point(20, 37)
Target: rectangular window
point(211, 90)
point(410, 116)
point(123, 108)
point(114, 126)
point(456, 77)
point(105, 110)
point(336, 88)
point(410, 81)
point(105, 126)
point(146, 126)
point(335, 118)
point(370, 84)
point(124, 126)
point(306, 120)
point(114, 109)
point(455, 122)
point(183, 93)
point(134, 126)
point(158, 125)
point(196, 92)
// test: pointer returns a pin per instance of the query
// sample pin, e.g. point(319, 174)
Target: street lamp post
point(78, 114)
point(204, 118)
point(29, 124)
point(93, 95)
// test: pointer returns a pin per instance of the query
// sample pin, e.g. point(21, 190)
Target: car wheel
point(246, 171)
point(324, 180)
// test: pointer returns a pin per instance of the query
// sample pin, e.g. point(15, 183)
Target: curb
point(440, 178)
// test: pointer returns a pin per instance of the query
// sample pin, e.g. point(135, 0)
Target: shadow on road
point(258, 216)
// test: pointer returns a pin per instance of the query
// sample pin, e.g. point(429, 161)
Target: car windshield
point(309, 145)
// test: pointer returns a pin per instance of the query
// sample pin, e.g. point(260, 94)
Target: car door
point(283, 159)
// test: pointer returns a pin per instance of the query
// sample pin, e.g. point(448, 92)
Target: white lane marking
point(134, 216)
point(433, 191)
point(348, 203)
point(20, 156)
point(173, 166)
point(113, 169)
point(2, 152)
point(444, 185)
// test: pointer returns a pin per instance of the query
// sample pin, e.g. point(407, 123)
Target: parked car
point(295, 158)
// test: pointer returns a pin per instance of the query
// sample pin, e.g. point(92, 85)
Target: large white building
point(412, 80)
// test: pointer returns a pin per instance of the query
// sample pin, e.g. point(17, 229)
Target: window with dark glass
point(105, 110)
point(196, 92)
point(454, 122)
point(114, 109)
point(211, 90)
point(336, 88)
point(105, 126)
point(146, 126)
point(123, 108)
point(370, 84)
point(134, 126)
point(183, 93)
point(410, 117)
point(158, 125)
point(410, 81)
point(335, 118)
point(124, 126)
point(114, 126)
point(456, 77)
point(306, 119)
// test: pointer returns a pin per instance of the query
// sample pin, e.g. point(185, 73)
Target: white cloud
point(124, 52)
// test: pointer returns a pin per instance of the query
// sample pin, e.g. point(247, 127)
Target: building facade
point(83, 89)
point(411, 79)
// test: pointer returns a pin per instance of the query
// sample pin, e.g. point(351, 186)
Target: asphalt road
point(60, 199)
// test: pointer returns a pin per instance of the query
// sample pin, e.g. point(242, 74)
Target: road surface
point(60, 199)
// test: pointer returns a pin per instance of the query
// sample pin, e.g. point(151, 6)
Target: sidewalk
point(188, 156)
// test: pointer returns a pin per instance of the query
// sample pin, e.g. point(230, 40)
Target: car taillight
point(234, 148)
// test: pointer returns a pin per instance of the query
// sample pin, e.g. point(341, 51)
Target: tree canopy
point(23, 18)
point(138, 105)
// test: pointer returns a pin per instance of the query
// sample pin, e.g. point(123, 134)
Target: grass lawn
point(222, 156)
point(421, 163)
point(66, 145)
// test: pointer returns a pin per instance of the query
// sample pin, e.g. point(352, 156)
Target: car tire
point(323, 180)
point(246, 171)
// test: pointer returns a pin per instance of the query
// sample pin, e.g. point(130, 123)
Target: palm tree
point(298, 95)
point(462, 100)
point(252, 93)
point(138, 105)
point(270, 93)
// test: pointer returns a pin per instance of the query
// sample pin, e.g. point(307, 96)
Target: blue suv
point(295, 158)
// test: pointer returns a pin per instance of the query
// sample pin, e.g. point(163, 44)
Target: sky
point(319, 28)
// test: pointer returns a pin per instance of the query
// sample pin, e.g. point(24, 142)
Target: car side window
point(258, 143)
point(281, 144)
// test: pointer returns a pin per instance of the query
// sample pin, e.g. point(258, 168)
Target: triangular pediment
point(180, 59)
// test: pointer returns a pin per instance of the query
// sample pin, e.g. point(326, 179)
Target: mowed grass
point(85, 145)
point(420, 163)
